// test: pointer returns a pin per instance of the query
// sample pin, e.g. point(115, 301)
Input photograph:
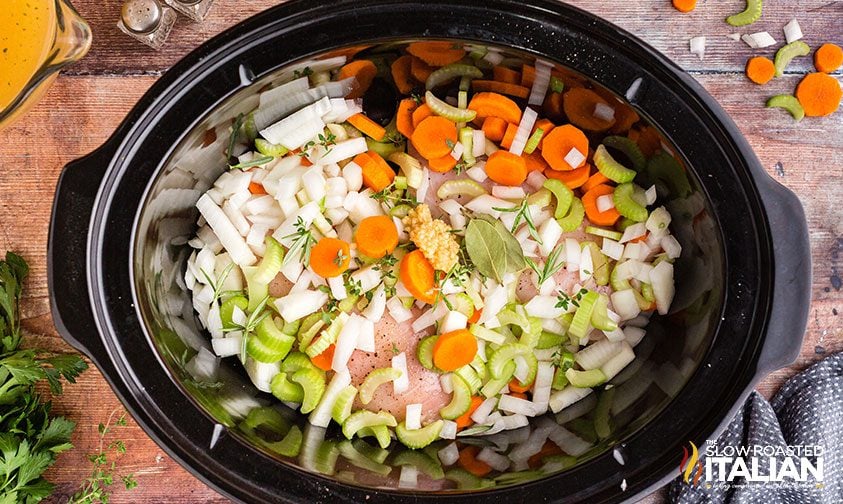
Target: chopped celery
point(532, 369)
point(357, 459)
point(564, 197)
point(380, 433)
point(327, 454)
point(365, 418)
point(599, 261)
point(290, 446)
point(343, 404)
point(375, 379)
point(410, 167)
point(271, 263)
point(400, 211)
point(460, 400)
point(585, 379)
point(467, 141)
point(427, 464)
point(626, 206)
point(285, 390)
point(493, 387)
point(540, 198)
point(511, 317)
point(602, 418)
point(291, 328)
point(256, 291)
point(250, 128)
point(296, 361)
point(556, 84)
point(460, 187)
point(467, 481)
point(347, 304)
point(327, 338)
point(424, 351)
point(574, 218)
point(506, 355)
point(487, 334)
point(749, 15)
point(560, 381)
point(313, 386)
point(605, 233)
point(600, 315)
point(647, 292)
point(310, 327)
point(270, 149)
point(549, 340)
point(629, 148)
point(418, 438)
point(463, 304)
point(400, 182)
point(465, 83)
point(470, 376)
point(375, 453)
point(384, 149)
point(259, 351)
point(227, 309)
point(785, 54)
point(789, 103)
point(533, 141)
point(269, 334)
point(610, 168)
point(447, 111)
point(448, 72)
point(582, 317)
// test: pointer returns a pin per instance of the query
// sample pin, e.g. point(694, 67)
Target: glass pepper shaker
point(196, 10)
point(147, 21)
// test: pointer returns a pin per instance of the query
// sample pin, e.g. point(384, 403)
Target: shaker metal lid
point(141, 16)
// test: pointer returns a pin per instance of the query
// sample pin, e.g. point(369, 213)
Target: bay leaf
point(492, 248)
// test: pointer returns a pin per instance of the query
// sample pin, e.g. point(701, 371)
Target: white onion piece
point(452, 321)
point(625, 304)
point(347, 342)
point(586, 265)
point(482, 412)
point(507, 192)
point(477, 174)
point(345, 150)
point(298, 305)
point(698, 46)
point(567, 440)
point(612, 249)
point(494, 303)
point(535, 180)
point(651, 195)
point(540, 83)
point(446, 382)
point(632, 232)
point(759, 40)
point(424, 186)
point(430, 317)
point(661, 278)
point(337, 286)
point(493, 459)
point(569, 395)
point(619, 361)
point(633, 334)
point(458, 150)
point(478, 146)
point(409, 477)
point(792, 31)
point(512, 422)
point(658, 221)
point(522, 134)
point(412, 418)
point(671, 246)
point(449, 430)
point(486, 204)
point(398, 311)
point(572, 254)
point(225, 231)
point(374, 310)
point(605, 202)
point(597, 354)
point(297, 128)
point(227, 346)
point(604, 112)
point(550, 232)
point(543, 307)
point(542, 387)
point(516, 405)
point(261, 373)
point(575, 158)
point(368, 277)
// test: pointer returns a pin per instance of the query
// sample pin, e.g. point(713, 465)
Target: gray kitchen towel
point(806, 412)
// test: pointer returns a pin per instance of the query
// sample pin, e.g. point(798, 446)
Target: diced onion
point(661, 278)
point(698, 46)
point(604, 112)
point(572, 254)
point(671, 246)
point(321, 416)
point(397, 310)
point(612, 249)
point(477, 174)
point(409, 477)
point(605, 202)
point(346, 342)
point(516, 405)
point(575, 158)
point(366, 337)
point(541, 82)
point(633, 335)
point(759, 40)
point(792, 31)
point(412, 419)
point(625, 304)
point(345, 150)
point(449, 430)
point(566, 397)
point(478, 145)
point(402, 383)
point(228, 235)
point(374, 310)
point(452, 321)
point(458, 151)
point(446, 382)
point(482, 412)
point(297, 305)
point(651, 195)
point(522, 134)
point(228, 346)
point(544, 307)
point(613, 366)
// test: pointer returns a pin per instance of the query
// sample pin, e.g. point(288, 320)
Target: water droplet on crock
point(141, 16)
point(633, 90)
point(246, 75)
point(618, 454)
point(215, 436)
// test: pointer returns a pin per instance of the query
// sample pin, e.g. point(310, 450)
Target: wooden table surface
point(91, 98)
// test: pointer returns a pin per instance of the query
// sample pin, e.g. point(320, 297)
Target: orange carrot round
point(468, 461)
point(558, 144)
point(494, 128)
point(438, 53)
point(416, 273)
point(828, 58)
point(442, 164)
point(421, 113)
point(649, 140)
point(519, 395)
point(515, 386)
point(323, 361)
point(509, 136)
point(329, 257)
point(546, 125)
point(594, 181)
point(819, 94)
point(506, 168)
point(573, 178)
point(589, 202)
point(475, 317)
point(494, 104)
point(505, 88)
point(454, 349)
point(420, 70)
point(465, 420)
point(256, 188)
point(535, 162)
point(508, 75)
point(401, 74)
point(404, 117)
point(760, 70)
point(367, 126)
point(364, 72)
point(552, 107)
point(376, 236)
point(377, 174)
point(579, 105)
point(625, 117)
point(434, 137)
point(684, 5)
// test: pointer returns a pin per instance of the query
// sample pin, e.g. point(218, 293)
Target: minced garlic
point(433, 237)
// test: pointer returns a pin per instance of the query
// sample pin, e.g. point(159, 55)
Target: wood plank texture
point(87, 103)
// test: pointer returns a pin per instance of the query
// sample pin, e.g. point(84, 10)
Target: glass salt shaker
point(147, 21)
point(196, 10)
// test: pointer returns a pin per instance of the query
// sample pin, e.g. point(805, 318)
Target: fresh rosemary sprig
point(217, 286)
point(303, 241)
point(522, 213)
point(261, 160)
point(551, 265)
point(255, 318)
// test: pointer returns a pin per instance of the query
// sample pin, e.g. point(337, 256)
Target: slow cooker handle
point(792, 276)
point(67, 252)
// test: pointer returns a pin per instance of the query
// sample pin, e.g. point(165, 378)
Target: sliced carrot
point(421, 113)
point(819, 94)
point(494, 86)
point(519, 395)
point(528, 75)
point(465, 420)
point(515, 386)
point(376, 236)
point(559, 143)
point(828, 58)
point(506, 168)
point(569, 80)
point(508, 75)
point(494, 128)
point(475, 316)
point(553, 107)
point(579, 105)
point(434, 137)
point(546, 125)
point(442, 164)
point(573, 178)
point(649, 140)
point(437, 53)
point(420, 70)
point(468, 461)
point(416, 273)
point(367, 126)
point(684, 5)
point(324, 360)
point(593, 181)
point(364, 72)
point(256, 188)
point(454, 350)
point(496, 105)
point(329, 257)
point(549, 449)
point(401, 74)
point(625, 118)
point(589, 202)
point(404, 116)
point(535, 162)
point(760, 70)
point(509, 136)
point(377, 174)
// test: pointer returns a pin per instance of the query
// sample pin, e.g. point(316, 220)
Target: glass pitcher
point(37, 39)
